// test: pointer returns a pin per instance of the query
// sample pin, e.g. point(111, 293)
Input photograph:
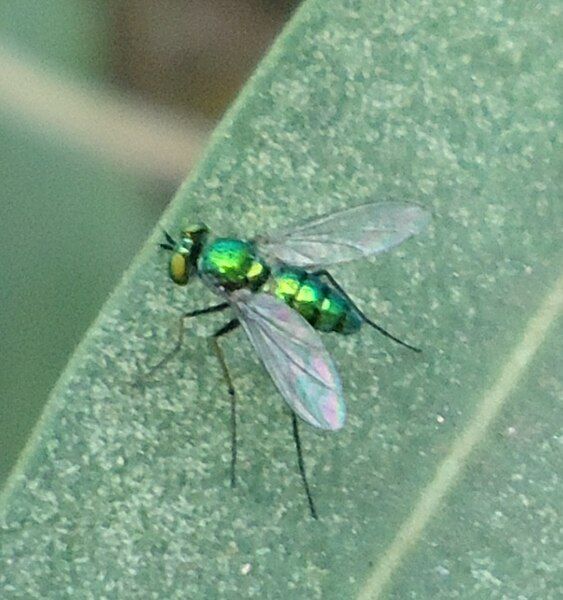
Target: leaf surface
point(444, 482)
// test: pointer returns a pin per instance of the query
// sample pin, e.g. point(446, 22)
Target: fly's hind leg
point(214, 341)
point(366, 319)
point(301, 465)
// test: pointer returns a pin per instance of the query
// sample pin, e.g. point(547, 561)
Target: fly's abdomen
point(232, 264)
point(321, 305)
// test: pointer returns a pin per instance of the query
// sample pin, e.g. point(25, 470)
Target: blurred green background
point(104, 107)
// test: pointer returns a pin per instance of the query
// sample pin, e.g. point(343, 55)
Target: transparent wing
point(343, 236)
point(294, 357)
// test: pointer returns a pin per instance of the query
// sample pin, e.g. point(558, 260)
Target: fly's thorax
point(324, 307)
point(232, 264)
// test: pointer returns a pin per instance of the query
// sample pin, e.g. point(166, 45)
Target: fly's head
point(185, 251)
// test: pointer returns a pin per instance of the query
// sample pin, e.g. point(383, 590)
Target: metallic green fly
point(282, 295)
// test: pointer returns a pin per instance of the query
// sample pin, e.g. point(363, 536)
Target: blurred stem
point(114, 128)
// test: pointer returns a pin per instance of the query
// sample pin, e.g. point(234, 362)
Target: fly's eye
point(178, 268)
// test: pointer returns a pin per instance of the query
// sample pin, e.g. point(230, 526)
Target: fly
point(282, 294)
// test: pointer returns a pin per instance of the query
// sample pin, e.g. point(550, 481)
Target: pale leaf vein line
point(450, 468)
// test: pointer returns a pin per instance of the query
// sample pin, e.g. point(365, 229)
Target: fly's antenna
point(170, 241)
point(169, 238)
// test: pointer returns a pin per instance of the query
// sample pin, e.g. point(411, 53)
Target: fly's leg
point(182, 326)
point(301, 465)
point(333, 281)
point(214, 340)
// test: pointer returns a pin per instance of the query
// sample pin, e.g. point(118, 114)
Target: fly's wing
point(343, 236)
point(294, 357)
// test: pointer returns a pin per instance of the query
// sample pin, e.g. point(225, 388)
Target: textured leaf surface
point(445, 481)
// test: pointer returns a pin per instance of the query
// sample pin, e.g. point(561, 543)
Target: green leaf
point(444, 482)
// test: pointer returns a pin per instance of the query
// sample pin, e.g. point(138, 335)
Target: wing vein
point(347, 235)
point(294, 356)
point(291, 359)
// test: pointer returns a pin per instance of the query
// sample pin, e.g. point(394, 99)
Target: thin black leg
point(206, 310)
point(302, 465)
point(233, 324)
point(180, 340)
point(364, 317)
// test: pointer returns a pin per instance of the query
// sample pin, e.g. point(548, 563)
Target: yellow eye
point(178, 268)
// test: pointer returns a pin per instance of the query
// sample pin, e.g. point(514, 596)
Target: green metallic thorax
point(234, 264)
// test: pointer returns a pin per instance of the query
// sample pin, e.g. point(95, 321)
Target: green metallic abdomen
point(321, 305)
point(232, 264)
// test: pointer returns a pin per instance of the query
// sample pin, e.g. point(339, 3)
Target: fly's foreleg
point(214, 341)
point(181, 329)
